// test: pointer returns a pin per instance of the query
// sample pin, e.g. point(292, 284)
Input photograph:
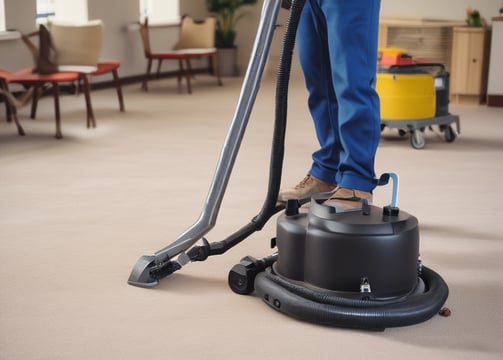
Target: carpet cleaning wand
point(149, 269)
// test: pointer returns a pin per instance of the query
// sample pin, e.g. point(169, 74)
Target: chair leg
point(179, 75)
point(11, 112)
point(55, 87)
point(158, 73)
point(189, 67)
point(8, 110)
point(20, 129)
point(118, 87)
point(91, 121)
point(187, 76)
point(34, 102)
point(12, 104)
point(144, 85)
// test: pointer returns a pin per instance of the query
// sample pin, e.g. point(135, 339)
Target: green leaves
point(227, 18)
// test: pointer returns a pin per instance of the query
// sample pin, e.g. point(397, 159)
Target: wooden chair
point(196, 40)
point(34, 82)
point(78, 48)
point(38, 80)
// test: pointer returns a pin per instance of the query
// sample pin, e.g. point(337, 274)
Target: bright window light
point(45, 9)
point(160, 11)
point(2, 15)
point(67, 10)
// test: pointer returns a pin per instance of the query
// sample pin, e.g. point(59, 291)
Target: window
point(2, 15)
point(45, 8)
point(68, 10)
point(160, 11)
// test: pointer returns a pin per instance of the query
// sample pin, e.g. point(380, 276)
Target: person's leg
point(352, 28)
point(313, 56)
point(337, 46)
point(314, 59)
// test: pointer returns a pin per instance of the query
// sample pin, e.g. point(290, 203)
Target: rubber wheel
point(402, 132)
point(417, 140)
point(449, 134)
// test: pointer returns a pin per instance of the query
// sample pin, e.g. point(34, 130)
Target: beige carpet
point(76, 214)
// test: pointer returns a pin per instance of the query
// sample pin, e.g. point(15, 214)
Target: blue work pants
point(337, 46)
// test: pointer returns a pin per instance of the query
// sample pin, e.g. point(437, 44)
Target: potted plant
point(473, 18)
point(228, 14)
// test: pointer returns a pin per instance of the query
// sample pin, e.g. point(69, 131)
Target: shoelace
point(304, 182)
point(352, 198)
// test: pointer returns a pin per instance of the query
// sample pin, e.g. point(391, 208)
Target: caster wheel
point(449, 134)
point(417, 140)
point(241, 279)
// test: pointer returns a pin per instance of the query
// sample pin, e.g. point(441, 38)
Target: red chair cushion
point(106, 67)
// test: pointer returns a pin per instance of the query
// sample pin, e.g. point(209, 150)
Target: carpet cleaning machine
point(414, 96)
point(357, 269)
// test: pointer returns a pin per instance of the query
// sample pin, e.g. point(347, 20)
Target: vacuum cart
point(414, 96)
point(357, 268)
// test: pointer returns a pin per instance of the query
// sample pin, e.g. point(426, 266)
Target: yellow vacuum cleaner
point(414, 96)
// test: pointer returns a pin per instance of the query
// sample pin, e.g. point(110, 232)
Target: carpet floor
point(77, 213)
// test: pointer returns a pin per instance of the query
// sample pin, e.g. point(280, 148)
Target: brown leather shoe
point(349, 199)
point(305, 189)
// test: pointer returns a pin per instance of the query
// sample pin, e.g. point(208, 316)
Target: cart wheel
point(417, 140)
point(449, 134)
point(402, 132)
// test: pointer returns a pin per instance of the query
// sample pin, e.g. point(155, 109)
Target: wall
point(495, 85)
point(13, 53)
point(122, 41)
point(443, 9)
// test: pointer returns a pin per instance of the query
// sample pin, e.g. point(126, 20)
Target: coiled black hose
point(313, 306)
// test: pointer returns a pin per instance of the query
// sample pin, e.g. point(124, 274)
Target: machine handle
point(384, 180)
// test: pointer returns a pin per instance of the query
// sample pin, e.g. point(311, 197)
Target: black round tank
point(337, 251)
